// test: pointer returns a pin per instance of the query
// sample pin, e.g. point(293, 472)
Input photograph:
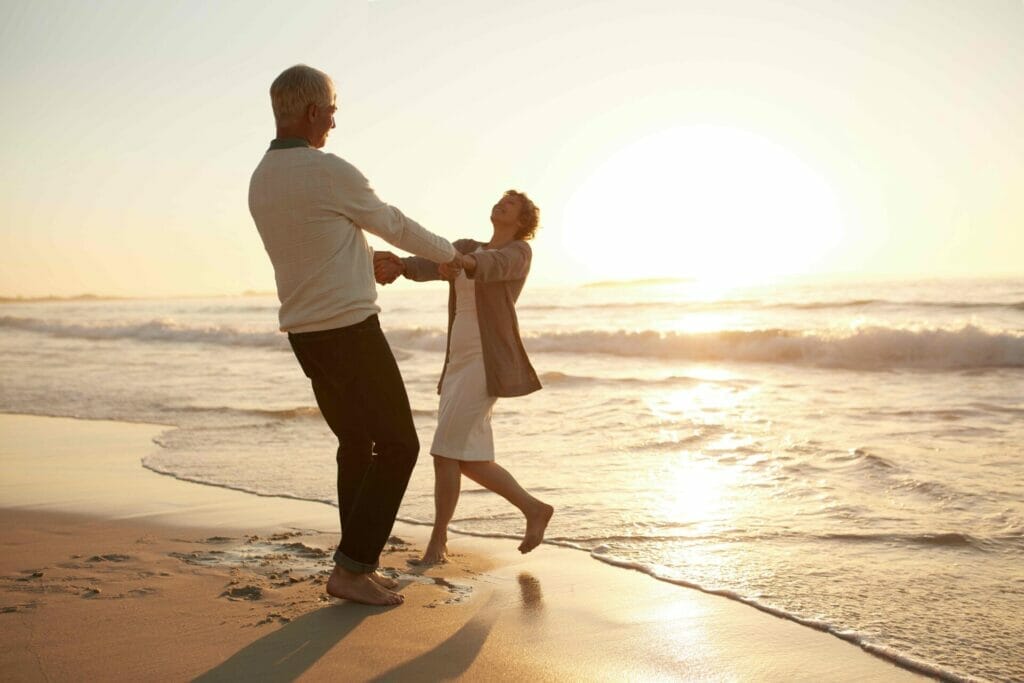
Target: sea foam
point(868, 348)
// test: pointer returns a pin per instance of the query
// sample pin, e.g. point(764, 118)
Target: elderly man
point(311, 209)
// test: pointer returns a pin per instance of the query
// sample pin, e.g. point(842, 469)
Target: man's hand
point(451, 270)
point(386, 267)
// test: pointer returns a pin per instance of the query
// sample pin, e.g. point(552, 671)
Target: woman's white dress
point(464, 415)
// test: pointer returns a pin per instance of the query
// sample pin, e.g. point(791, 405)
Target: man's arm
point(355, 199)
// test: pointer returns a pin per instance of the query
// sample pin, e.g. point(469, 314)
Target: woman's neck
point(500, 238)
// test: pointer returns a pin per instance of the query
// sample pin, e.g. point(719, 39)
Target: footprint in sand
point(243, 593)
point(112, 557)
point(22, 607)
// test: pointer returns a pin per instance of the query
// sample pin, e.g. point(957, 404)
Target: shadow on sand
point(454, 656)
point(287, 652)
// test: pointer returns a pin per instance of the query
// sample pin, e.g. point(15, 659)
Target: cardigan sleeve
point(420, 269)
point(511, 262)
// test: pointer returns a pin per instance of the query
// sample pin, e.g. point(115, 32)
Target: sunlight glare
point(718, 204)
point(696, 490)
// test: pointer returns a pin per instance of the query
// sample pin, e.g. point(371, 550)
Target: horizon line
point(636, 282)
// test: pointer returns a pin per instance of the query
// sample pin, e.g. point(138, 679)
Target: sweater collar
point(288, 143)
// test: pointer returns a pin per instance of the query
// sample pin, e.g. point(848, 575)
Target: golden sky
point(729, 140)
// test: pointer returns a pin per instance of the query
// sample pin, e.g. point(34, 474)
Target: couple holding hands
point(311, 209)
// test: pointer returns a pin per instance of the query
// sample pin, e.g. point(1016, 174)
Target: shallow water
point(844, 455)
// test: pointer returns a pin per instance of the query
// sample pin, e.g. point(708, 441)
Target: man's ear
point(311, 113)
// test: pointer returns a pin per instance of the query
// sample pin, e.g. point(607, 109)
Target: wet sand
point(111, 572)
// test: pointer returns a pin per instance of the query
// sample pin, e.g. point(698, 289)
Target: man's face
point(322, 122)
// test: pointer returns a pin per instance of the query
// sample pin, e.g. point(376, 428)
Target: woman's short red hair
point(529, 215)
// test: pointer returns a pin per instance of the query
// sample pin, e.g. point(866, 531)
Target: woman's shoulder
point(466, 245)
point(521, 246)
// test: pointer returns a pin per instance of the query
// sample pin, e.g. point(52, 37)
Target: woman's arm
point(511, 262)
point(420, 269)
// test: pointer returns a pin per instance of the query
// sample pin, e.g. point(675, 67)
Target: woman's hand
point(386, 267)
point(451, 270)
point(469, 263)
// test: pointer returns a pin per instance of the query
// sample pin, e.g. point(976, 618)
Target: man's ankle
point(345, 573)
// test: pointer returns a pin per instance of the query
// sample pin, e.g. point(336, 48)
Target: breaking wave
point(869, 348)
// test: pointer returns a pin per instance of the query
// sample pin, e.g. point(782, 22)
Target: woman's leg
point(494, 477)
point(447, 484)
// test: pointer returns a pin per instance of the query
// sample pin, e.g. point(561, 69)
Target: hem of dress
point(462, 458)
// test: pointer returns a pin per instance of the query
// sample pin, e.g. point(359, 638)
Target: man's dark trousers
point(360, 392)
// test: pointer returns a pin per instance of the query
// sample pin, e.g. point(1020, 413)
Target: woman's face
point(506, 211)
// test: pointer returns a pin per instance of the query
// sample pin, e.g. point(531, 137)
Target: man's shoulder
point(337, 165)
point(305, 153)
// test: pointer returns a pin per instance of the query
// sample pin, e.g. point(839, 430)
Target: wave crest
point(156, 330)
point(868, 348)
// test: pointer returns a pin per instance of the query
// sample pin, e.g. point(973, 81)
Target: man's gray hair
point(295, 89)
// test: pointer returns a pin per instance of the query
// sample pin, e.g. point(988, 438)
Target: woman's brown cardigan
point(498, 279)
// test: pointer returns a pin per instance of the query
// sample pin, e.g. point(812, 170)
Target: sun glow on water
point(718, 204)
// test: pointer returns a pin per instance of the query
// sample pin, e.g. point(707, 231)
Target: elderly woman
point(485, 360)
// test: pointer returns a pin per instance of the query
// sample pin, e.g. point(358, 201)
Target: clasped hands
point(387, 267)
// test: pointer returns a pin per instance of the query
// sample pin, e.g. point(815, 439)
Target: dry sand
point(111, 572)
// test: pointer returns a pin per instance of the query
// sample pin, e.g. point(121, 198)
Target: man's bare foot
point(536, 524)
point(383, 581)
point(434, 554)
point(360, 588)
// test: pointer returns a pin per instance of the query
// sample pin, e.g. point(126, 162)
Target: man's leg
point(355, 452)
point(355, 448)
point(379, 401)
point(362, 390)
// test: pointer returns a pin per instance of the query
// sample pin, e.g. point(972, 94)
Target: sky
point(725, 140)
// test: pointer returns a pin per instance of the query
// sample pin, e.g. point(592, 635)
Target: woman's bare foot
point(360, 588)
point(434, 554)
point(536, 524)
point(383, 581)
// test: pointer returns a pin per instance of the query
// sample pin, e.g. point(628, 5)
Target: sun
point(718, 204)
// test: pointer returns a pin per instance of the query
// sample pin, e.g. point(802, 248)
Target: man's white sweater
point(311, 209)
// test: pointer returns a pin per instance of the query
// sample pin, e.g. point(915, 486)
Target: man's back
point(311, 209)
point(322, 263)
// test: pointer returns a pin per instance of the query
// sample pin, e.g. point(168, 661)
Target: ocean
point(845, 455)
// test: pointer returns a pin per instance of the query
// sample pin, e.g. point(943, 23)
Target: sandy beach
point(112, 572)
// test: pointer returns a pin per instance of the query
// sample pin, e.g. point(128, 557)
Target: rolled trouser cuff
point(347, 563)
